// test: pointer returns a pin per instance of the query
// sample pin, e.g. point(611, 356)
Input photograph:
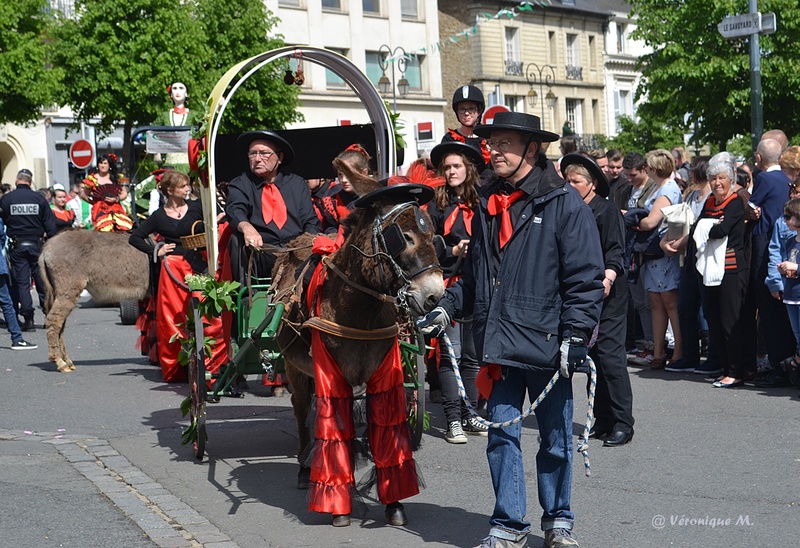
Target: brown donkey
point(357, 310)
point(103, 263)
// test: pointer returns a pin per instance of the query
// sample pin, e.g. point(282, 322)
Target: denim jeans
point(794, 318)
point(7, 306)
point(553, 461)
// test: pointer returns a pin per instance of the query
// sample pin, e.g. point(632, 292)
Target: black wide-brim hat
point(397, 194)
point(245, 139)
point(516, 121)
point(472, 153)
point(601, 186)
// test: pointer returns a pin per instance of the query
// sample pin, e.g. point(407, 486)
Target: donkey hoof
point(303, 478)
point(63, 366)
point(396, 514)
point(341, 520)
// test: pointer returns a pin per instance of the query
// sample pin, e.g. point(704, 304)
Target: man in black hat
point(265, 205)
point(28, 218)
point(534, 284)
point(613, 406)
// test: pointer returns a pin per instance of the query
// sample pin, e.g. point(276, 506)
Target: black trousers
point(613, 400)
point(260, 267)
point(467, 362)
point(723, 313)
point(24, 260)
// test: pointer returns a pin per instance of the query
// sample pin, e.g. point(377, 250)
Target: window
point(514, 103)
point(620, 38)
point(414, 72)
point(332, 80)
point(592, 53)
point(574, 71)
point(374, 72)
point(408, 9)
point(371, 6)
point(513, 56)
point(289, 3)
point(332, 4)
point(551, 41)
point(623, 106)
point(575, 114)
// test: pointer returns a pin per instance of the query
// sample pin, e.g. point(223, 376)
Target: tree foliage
point(120, 55)
point(642, 136)
point(28, 83)
point(694, 70)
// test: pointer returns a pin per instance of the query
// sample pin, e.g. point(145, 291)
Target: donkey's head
point(391, 242)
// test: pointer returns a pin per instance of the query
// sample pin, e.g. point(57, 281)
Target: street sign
point(768, 24)
point(488, 116)
point(81, 153)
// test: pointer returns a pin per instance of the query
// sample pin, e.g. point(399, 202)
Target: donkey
point(104, 263)
point(353, 299)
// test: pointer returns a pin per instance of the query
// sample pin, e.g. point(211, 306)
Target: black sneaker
point(23, 345)
point(28, 325)
point(472, 427)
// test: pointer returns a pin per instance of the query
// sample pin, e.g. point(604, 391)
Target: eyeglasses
point(472, 110)
point(266, 154)
point(501, 146)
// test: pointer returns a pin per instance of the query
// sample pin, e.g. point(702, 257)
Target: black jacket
point(550, 280)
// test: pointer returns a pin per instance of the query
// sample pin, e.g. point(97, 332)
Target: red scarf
point(487, 156)
point(451, 219)
point(499, 203)
point(273, 208)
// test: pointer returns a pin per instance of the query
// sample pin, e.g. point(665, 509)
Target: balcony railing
point(514, 68)
point(574, 73)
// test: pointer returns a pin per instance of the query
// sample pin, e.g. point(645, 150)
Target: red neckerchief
point(273, 208)
point(487, 156)
point(499, 204)
point(451, 219)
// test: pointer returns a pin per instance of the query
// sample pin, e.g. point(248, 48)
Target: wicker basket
point(194, 241)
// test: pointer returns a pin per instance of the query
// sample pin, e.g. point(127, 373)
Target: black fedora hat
point(245, 139)
point(516, 121)
point(397, 194)
point(472, 153)
point(601, 186)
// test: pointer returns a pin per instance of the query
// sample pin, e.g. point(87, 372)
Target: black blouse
point(170, 229)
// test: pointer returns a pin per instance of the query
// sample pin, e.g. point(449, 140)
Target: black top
point(170, 229)
point(731, 212)
point(611, 226)
point(244, 204)
point(27, 214)
point(457, 233)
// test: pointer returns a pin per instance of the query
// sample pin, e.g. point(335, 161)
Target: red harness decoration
point(332, 475)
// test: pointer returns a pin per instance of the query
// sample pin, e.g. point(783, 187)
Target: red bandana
point(273, 208)
point(451, 219)
point(499, 203)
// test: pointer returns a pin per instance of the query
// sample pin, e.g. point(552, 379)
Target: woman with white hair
point(720, 227)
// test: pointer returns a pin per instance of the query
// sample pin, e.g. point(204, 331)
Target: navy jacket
point(770, 193)
point(550, 280)
point(27, 215)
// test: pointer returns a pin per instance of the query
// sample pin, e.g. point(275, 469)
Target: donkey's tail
point(49, 290)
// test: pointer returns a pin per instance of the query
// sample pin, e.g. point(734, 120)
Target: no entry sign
point(81, 153)
point(488, 116)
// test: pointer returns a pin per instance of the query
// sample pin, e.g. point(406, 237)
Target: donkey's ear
point(362, 184)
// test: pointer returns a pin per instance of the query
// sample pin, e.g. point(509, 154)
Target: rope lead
point(583, 441)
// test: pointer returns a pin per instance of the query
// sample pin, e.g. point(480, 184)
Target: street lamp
point(546, 74)
point(384, 85)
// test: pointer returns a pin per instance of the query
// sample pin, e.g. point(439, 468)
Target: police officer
point(28, 218)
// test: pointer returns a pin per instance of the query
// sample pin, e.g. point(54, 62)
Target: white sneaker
point(644, 358)
point(455, 434)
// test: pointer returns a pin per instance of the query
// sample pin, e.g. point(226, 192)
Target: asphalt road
point(93, 458)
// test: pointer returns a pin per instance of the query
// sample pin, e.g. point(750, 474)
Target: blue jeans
point(794, 318)
point(553, 461)
point(7, 305)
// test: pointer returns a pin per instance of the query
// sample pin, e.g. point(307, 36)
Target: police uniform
point(28, 218)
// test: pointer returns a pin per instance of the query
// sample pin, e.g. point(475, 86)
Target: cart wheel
point(197, 383)
point(414, 369)
point(128, 312)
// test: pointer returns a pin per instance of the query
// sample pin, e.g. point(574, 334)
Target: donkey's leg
point(54, 326)
point(301, 403)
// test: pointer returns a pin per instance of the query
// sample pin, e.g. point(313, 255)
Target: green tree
point(119, 56)
point(264, 101)
point(642, 136)
point(694, 70)
point(28, 82)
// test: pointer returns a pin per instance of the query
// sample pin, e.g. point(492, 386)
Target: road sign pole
point(756, 108)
